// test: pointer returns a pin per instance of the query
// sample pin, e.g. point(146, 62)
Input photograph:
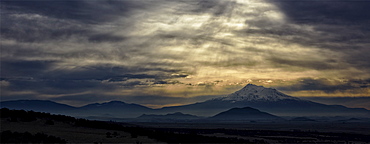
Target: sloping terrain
point(245, 114)
point(258, 97)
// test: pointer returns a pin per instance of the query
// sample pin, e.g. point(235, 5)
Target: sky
point(173, 52)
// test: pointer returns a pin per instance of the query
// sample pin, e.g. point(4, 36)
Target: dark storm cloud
point(310, 64)
point(36, 21)
point(39, 69)
point(16, 68)
point(38, 76)
point(325, 11)
point(38, 28)
point(328, 86)
point(105, 38)
point(41, 77)
point(36, 33)
point(167, 82)
point(57, 86)
point(343, 26)
point(81, 10)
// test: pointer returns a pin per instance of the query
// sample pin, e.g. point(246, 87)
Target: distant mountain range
point(256, 97)
point(113, 109)
point(116, 109)
point(38, 105)
point(268, 100)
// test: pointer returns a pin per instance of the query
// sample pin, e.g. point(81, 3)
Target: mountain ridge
point(245, 114)
point(268, 100)
point(258, 97)
point(38, 105)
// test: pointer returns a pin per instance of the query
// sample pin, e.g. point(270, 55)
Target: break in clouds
point(77, 50)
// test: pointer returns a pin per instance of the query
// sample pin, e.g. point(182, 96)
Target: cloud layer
point(120, 49)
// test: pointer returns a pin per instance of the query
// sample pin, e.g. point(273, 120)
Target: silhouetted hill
point(245, 114)
point(111, 109)
point(115, 109)
point(354, 119)
point(38, 105)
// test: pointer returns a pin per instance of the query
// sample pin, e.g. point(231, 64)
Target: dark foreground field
point(357, 127)
point(288, 132)
point(33, 127)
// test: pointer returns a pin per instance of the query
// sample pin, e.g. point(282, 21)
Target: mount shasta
point(264, 99)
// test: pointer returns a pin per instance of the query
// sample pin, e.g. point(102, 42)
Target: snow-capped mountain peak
point(252, 92)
